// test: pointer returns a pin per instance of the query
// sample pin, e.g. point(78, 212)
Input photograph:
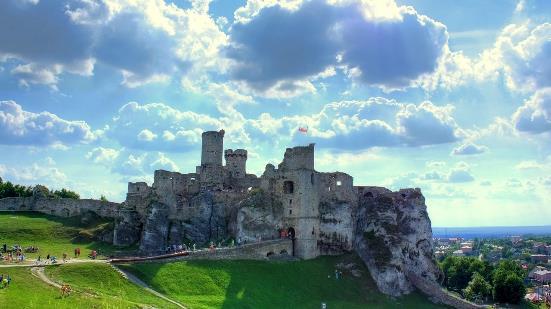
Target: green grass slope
point(94, 286)
point(103, 281)
point(259, 284)
point(27, 291)
point(53, 235)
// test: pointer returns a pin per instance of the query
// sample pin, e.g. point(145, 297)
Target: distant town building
point(539, 248)
point(516, 239)
point(469, 243)
point(532, 273)
point(458, 253)
point(542, 275)
point(466, 249)
point(455, 240)
point(539, 258)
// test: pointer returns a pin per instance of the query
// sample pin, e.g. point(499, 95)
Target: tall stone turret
point(297, 187)
point(211, 170)
point(236, 162)
point(213, 145)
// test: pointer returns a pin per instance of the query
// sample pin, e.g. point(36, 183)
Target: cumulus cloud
point(34, 174)
point(31, 74)
point(295, 41)
point(525, 53)
point(427, 124)
point(354, 125)
point(143, 164)
point(535, 115)
point(146, 41)
point(345, 125)
point(469, 149)
point(157, 126)
point(103, 155)
point(460, 175)
point(20, 127)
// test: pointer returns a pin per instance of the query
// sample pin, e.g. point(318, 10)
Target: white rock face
point(394, 237)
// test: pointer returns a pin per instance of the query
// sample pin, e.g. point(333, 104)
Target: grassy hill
point(53, 235)
point(197, 284)
point(94, 285)
point(263, 284)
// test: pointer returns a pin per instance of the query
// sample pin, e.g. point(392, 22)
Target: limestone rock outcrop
point(259, 217)
point(393, 236)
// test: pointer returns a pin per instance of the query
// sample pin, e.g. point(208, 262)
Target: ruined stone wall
point(61, 207)
point(300, 157)
point(338, 201)
point(268, 178)
point(337, 225)
point(337, 187)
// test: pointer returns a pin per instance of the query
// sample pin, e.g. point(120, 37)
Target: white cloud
point(355, 125)
point(34, 174)
point(469, 149)
point(460, 175)
point(179, 130)
point(103, 155)
point(20, 127)
point(147, 136)
point(535, 115)
point(143, 164)
point(147, 41)
point(277, 46)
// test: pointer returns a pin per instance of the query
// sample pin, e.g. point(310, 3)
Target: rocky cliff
point(258, 216)
point(393, 236)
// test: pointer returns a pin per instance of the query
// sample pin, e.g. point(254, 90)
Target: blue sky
point(453, 97)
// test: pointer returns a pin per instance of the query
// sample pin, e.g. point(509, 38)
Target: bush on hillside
point(64, 193)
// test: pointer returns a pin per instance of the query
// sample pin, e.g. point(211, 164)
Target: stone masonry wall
point(61, 207)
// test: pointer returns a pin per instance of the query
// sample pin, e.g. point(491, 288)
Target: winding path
point(130, 277)
point(39, 273)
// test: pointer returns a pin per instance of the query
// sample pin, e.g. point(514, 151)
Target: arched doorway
point(291, 234)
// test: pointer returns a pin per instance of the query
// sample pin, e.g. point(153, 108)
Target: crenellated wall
point(236, 162)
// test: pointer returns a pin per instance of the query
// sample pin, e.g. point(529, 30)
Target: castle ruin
point(315, 208)
point(323, 213)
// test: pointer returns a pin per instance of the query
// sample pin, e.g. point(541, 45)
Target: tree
point(64, 193)
point(103, 198)
point(459, 274)
point(7, 189)
point(459, 271)
point(508, 283)
point(478, 288)
point(484, 268)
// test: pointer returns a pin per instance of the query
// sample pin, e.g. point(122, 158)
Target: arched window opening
point(288, 187)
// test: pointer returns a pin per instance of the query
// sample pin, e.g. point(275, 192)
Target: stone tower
point(236, 162)
point(300, 198)
point(211, 151)
point(211, 171)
